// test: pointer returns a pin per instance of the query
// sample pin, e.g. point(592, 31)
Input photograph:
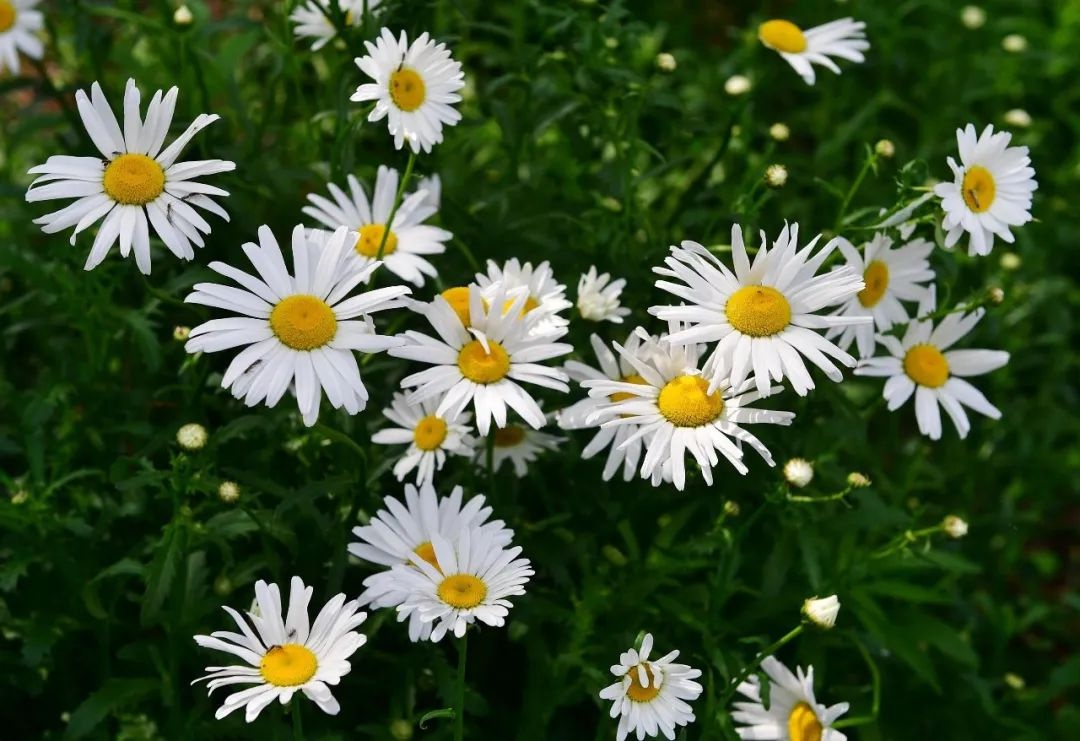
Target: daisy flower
point(432, 186)
point(415, 88)
point(991, 190)
point(651, 697)
point(764, 314)
point(482, 365)
point(545, 297)
point(287, 656)
point(430, 437)
point(312, 19)
point(136, 184)
point(598, 299)
point(409, 240)
point(520, 446)
point(891, 276)
point(844, 38)
point(794, 714)
point(298, 329)
point(20, 23)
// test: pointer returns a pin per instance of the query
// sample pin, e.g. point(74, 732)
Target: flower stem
point(749, 668)
point(869, 163)
point(297, 721)
point(397, 204)
point(459, 701)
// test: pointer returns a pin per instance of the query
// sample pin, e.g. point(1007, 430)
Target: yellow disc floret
point(508, 437)
point(876, 277)
point(429, 433)
point(288, 665)
point(803, 724)
point(978, 189)
point(636, 691)
point(684, 402)
point(7, 15)
point(407, 89)
point(483, 366)
point(624, 395)
point(371, 236)
point(426, 551)
point(926, 366)
point(303, 322)
point(758, 311)
point(463, 591)
point(783, 36)
point(133, 179)
point(458, 298)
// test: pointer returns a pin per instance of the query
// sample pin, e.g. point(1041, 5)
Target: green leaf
point(433, 714)
point(162, 571)
point(114, 694)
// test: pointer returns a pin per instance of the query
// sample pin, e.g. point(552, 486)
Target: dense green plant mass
point(578, 148)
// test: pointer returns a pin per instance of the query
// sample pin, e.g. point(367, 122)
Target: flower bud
point(776, 176)
point(180, 333)
point(1010, 261)
point(737, 85)
point(995, 295)
point(799, 472)
point(822, 611)
point(731, 508)
point(1014, 43)
point(183, 16)
point(858, 480)
point(954, 527)
point(228, 492)
point(780, 132)
point(885, 148)
point(972, 16)
point(1018, 117)
point(192, 436)
point(666, 62)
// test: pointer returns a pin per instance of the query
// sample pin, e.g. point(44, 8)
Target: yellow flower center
point(481, 366)
point(7, 15)
point(530, 304)
point(371, 236)
point(876, 277)
point(783, 36)
point(288, 665)
point(133, 179)
point(758, 311)
point(458, 298)
point(303, 322)
point(926, 366)
point(430, 432)
point(407, 89)
point(508, 437)
point(978, 189)
point(624, 395)
point(426, 551)
point(636, 692)
point(685, 403)
point(463, 591)
point(803, 724)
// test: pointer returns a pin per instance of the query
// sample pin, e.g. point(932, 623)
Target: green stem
point(903, 540)
point(297, 721)
point(875, 705)
point(753, 665)
point(459, 701)
point(814, 500)
point(397, 204)
point(868, 164)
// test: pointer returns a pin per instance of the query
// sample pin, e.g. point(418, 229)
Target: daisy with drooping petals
point(482, 365)
point(845, 38)
point(794, 714)
point(285, 656)
point(137, 185)
point(313, 19)
point(991, 190)
point(545, 297)
point(764, 314)
point(651, 696)
point(299, 329)
point(520, 446)
point(430, 437)
point(415, 88)
point(20, 22)
point(409, 241)
point(891, 276)
point(598, 299)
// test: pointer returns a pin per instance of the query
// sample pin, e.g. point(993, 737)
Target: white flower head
point(545, 297)
point(430, 437)
point(20, 24)
point(598, 297)
point(192, 436)
point(954, 527)
point(520, 446)
point(845, 38)
point(793, 714)
point(798, 472)
point(822, 611)
point(313, 19)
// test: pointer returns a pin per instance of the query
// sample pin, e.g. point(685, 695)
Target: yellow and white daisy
point(409, 241)
point(545, 297)
point(415, 88)
point(991, 190)
point(484, 364)
point(20, 22)
point(891, 276)
point(793, 714)
point(431, 437)
point(764, 315)
point(845, 38)
point(136, 184)
point(299, 329)
point(313, 19)
point(287, 656)
point(520, 446)
point(598, 297)
point(651, 696)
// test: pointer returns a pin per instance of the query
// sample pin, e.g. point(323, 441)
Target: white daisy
point(483, 364)
point(298, 327)
point(794, 714)
point(285, 657)
point(313, 19)
point(598, 299)
point(844, 38)
point(432, 187)
point(20, 22)
point(415, 88)
point(430, 437)
point(137, 185)
point(991, 190)
point(409, 239)
point(891, 276)
point(520, 446)
point(545, 297)
point(651, 697)
point(764, 315)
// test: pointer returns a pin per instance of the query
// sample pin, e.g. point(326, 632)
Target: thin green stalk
point(875, 703)
point(906, 538)
point(459, 701)
point(815, 500)
point(397, 203)
point(753, 665)
point(297, 721)
point(868, 164)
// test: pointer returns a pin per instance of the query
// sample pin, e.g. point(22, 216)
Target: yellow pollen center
point(371, 236)
point(636, 692)
point(407, 89)
point(530, 304)
point(978, 189)
point(463, 591)
point(758, 311)
point(426, 551)
point(288, 665)
point(803, 724)
point(926, 366)
point(430, 432)
point(876, 277)
point(303, 322)
point(624, 395)
point(783, 36)
point(7, 15)
point(481, 366)
point(458, 298)
point(508, 437)
point(349, 17)
point(133, 179)
point(685, 403)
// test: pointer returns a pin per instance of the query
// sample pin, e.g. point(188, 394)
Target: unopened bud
point(228, 492)
point(972, 16)
point(885, 148)
point(822, 611)
point(180, 334)
point(1018, 117)
point(192, 436)
point(183, 16)
point(737, 85)
point(799, 472)
point(780, 132)
point(954, 527)
point(776, 176)
point(995, 294)
point(666, 62)
point(1014, 43)
point(858, 480)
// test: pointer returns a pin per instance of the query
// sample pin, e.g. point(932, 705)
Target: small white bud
point(885, 148)
point(181, 334)
point(858, 480)
point(822, 611)
point(1010, 261)
point(1018, 118)
point(183, 16)
point(737, 85)
point(666, 62)
point(1014, 43)
point(799, 472)
point(972, 16)
point(779, 132)
point(228, 492)
point(995, 294)
point(954, 527)
point(776, 176)
point(191, 436)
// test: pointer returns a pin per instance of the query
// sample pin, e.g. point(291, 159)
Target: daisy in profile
point(764, 316)
point(297, 330)
point(545, 297)
point(485, 364)
point(793, 714)
point(283, 652)
point(415, 88)
point(651, 696)
point(845, 38)
point(20, 22)
point(408, 242)
point(313, 19)
point(135, 185)
point(519, 446)
point(430, 437)
point(991, 189)
point(892, 275)
point(598, 297)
